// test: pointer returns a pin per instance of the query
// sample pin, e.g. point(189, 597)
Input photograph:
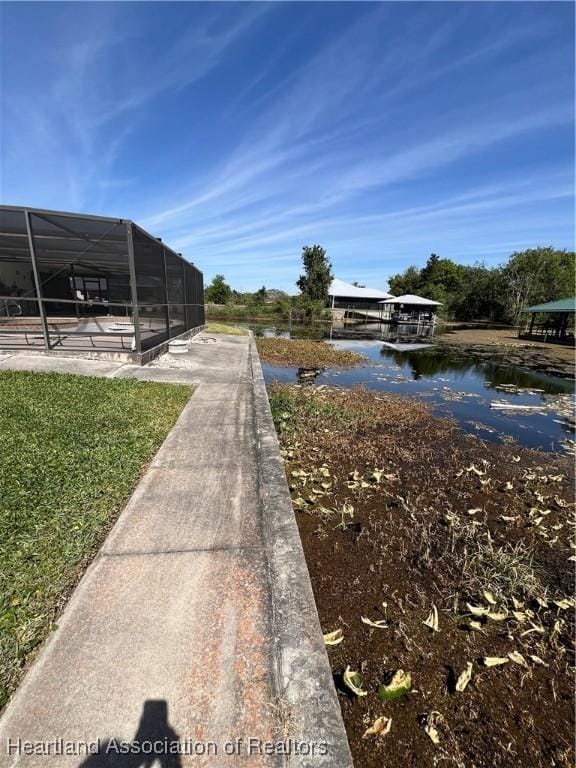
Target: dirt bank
point(405, 520)
point(555, 359)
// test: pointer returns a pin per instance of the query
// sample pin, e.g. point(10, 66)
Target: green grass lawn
point(229, 330)
point(71, 451)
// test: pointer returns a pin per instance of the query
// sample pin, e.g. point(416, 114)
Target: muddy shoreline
point(503, 347)
point(403, 517)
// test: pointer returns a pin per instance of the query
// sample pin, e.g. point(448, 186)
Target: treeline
point(311, 303)
point(225, 302)
point(499, 293)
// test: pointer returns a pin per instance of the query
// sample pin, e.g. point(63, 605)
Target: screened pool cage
point(89, 283)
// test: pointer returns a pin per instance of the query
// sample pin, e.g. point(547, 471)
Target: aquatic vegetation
point(400, 684)
point(333, 638)
point(305, 353)
point(461, 387)
point(457, 565)
point(353, 681)
point(380, 727)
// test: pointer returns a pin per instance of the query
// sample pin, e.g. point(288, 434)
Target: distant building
point(410, 308)
point(344, 295)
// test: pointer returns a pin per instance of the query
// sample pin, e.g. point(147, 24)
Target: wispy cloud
point(92, 101)
point(295, 143)
point(381, 130)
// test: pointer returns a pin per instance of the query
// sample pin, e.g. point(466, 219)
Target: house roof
point(562, 305)
point(341, 288)
point(410, 298)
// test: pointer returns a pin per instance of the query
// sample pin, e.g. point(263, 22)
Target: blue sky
point(240, 132)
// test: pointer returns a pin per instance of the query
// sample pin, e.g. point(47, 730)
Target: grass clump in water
point(305, 353)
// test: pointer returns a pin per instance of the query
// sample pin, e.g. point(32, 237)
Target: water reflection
point(454, 383)
point(426, 363)
point(342, 330)
point(313, 331)
point(385, 330)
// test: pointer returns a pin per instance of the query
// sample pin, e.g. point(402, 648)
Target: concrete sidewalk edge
point(303, 675)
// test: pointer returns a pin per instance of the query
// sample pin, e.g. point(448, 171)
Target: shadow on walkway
point(155, 741)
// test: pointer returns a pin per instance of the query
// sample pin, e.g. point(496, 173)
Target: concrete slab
point(183, 634)
point(46, 364)
point(190, 447)
point(196, 623)
point(207, 363)
point(196, 508)
point(219, 394)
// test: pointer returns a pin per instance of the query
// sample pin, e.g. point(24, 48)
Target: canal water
point(454, 384)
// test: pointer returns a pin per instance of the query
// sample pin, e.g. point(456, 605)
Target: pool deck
point(195, 624)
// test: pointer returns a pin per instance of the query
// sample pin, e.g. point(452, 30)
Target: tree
point(315, 281)
point(261, 295)
point(218, 292)
point(483, 296)
point(430, 271)
point(538, 275)
point(406, 282)
point(275, 294)
point(500, 293)
point(440, 279)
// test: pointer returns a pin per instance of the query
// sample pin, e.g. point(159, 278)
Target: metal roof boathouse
point(91, 284)
point(344, 295)
point(410, 309)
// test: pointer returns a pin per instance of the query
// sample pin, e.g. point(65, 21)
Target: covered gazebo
point(551, 322)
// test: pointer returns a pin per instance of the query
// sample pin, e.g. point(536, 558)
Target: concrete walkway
point(195, 626)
